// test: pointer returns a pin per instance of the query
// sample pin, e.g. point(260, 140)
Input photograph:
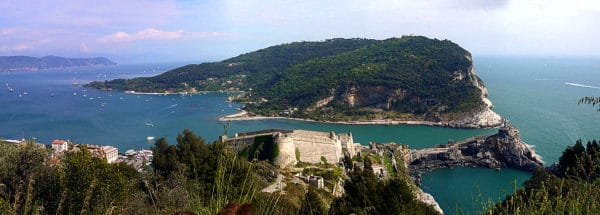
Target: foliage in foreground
point(191, 175)
point(82, 184)
point(366, 194)
point(590, 100)
point(571, 188)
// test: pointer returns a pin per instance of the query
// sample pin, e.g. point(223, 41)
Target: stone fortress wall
point(311, 145)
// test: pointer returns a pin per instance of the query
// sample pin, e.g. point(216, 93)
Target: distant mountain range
point(26, 63)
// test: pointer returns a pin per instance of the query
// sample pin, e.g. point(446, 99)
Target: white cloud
point(147, 34)
point(155, 34)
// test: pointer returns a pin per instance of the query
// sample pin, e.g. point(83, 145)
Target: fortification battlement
point(312, 146)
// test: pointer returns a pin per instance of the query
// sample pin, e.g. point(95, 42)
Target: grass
point(564, 197)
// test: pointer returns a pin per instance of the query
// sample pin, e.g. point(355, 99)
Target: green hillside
point(412, 77)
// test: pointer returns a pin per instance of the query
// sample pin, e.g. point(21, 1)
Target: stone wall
point(312, 145)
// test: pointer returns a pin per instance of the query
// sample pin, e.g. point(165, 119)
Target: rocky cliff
point(504, 149)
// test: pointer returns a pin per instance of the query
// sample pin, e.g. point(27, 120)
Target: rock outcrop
point(485, 118)
point(428, 200)
point(504, 149)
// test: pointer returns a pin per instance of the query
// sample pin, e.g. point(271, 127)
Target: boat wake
point(582, 85)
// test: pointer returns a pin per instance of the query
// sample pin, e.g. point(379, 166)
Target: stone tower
point(287, 150)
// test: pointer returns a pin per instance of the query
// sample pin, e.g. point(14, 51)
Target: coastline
point(180, 93)
point(244, 116)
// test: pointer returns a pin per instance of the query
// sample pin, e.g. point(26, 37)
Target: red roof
point(54, 160)
point(58, 142)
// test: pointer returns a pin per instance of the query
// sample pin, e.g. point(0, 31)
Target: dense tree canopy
point(413, 75)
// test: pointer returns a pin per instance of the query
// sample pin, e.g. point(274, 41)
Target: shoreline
point(244, 116)
point(180, 93)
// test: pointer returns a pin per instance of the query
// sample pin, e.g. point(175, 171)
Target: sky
point(135, 31)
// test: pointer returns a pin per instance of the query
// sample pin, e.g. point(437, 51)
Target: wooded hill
point(333, 79)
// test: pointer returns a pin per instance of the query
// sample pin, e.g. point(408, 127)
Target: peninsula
point(408, 80)
point(26, 63)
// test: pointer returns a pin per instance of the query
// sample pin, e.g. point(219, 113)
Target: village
point(137, 159)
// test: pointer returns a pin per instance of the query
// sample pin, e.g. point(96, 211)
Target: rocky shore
point(483, 119)
point(504, 149)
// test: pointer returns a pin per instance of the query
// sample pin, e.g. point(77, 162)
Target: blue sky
point(131, 31)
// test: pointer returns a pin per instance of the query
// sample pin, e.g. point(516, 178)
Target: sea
point(539, 95)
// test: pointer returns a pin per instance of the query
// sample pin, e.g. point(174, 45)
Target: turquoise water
point(530, 92)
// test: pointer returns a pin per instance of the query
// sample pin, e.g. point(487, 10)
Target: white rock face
point(485, 117)
point(428, 200)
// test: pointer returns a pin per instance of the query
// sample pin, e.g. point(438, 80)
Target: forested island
point(408, 79)
point(26, 63)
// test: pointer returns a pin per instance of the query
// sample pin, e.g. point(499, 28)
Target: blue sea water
point(538, 95)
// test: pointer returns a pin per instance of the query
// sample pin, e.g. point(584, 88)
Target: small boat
point(25, 93)
point(149, 124)
point(74, 93)
point(75, 83)
point(149, 138)
point(10, 90)
point(51, 94)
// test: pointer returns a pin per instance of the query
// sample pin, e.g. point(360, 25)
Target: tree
point(193, 152)
point(590, 100)
point(577, 162)
point(573, 189)
point(165, 157)
point(366, 194)
point(312, 203)
point(92, 185)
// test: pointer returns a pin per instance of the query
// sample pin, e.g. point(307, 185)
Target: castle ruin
point(301, 145)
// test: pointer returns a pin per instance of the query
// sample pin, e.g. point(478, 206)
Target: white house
point(60, 146)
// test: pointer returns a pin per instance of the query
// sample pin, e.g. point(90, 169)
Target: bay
point(538, 95)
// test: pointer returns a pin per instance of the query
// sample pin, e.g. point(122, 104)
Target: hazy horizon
point(166, 31)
